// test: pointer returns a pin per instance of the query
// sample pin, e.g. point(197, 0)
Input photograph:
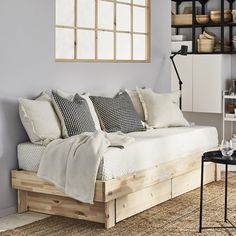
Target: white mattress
point(150, 148)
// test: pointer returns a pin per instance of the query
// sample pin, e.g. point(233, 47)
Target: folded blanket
point(72, 164)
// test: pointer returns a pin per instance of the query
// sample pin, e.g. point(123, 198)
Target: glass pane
point(85, 44)
point(139, 20)
point(123, 46)
point(105, 45)
point(139, 47)
point(123, 17)
point(64, 43)
point(126, 1)
point(140, 2)
point(105, 15)
point(86, 13)
point(65, 12)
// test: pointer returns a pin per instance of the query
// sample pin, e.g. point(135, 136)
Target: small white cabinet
point(204, 77)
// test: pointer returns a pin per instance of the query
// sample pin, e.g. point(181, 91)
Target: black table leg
point(201, 196)
point(226, 191)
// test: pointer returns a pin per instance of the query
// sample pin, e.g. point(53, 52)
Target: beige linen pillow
point(39, 119)
point(173, 96)
point(70, 97)
point(161, 110)
point(136, 103)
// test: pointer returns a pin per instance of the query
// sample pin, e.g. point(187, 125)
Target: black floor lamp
point(183, 51)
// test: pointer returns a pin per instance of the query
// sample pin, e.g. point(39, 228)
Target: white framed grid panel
point(102, 30)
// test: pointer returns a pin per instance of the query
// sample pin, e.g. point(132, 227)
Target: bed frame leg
point(22, 201)
point(110, 219)
point(218, 172)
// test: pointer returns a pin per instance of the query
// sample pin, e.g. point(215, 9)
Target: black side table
point(216, 157)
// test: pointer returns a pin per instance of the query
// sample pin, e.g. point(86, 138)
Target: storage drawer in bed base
point(146, 198)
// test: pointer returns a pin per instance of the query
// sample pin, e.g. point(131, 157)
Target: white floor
point(17, 220)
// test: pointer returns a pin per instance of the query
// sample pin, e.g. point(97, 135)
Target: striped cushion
point(117, 114)
point(74, 115)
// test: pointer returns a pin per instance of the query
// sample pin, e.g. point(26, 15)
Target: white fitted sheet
point(150, 148)
point(157, 146)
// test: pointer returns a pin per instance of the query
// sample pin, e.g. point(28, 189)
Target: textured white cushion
point(136, 103)
point(161, 110)
point(39, 119)
point(70, 96)
point(173, 96)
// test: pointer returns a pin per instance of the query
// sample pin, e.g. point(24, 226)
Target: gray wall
point(27, 67)
point(207, 119)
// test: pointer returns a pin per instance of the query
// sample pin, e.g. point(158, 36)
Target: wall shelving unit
point(194, 26)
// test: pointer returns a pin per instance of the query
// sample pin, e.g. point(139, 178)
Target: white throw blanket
point(72, 164)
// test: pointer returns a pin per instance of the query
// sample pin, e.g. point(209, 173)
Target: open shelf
point(230, 24)
point(219, 52)
point(194, 27)
point(206, 53)
point(201, 1)
point(182, 26)
point(230, 96)
point(229, 119)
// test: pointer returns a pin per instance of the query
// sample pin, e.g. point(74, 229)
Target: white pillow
point(39, 119)
point(173, 96)
point(70, 97)
point(136, 103)
point(162, 110)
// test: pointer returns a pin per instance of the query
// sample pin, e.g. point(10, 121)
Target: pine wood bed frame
point(115, 199)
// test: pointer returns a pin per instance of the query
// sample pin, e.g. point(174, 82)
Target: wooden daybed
point(115, 199)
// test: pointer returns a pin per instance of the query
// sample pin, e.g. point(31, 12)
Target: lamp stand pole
point(180, 81)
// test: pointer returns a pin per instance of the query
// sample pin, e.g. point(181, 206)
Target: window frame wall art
point(102, 30)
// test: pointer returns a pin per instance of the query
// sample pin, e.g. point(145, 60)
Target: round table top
point(217, 157)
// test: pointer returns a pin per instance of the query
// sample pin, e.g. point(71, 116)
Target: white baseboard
point(8, 211)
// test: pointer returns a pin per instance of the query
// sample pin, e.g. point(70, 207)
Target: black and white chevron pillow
point(74, 115)
point(118, 113)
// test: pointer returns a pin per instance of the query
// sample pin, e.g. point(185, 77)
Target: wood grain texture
point(110, 217)
point(143, 199)
point(189, 181)
point(124, 185)
point(65, 206)
point(29, 181)
point(22, 199)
